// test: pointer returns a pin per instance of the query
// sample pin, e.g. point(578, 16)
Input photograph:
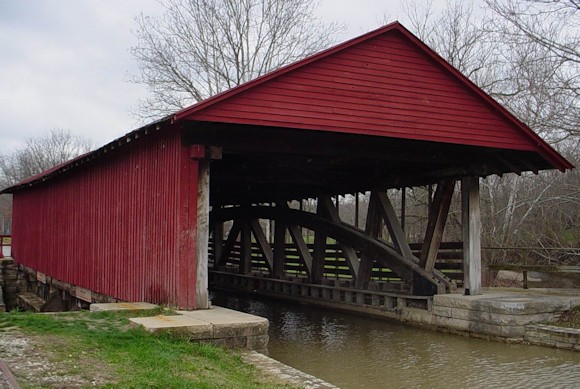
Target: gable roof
point(385, 83)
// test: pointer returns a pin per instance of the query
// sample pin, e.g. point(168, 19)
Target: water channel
point(360, 352)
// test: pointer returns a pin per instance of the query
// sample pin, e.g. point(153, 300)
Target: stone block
point(417, 315)
point(455, 324)
point(192, 328)
point(259, 342)
point(442, 311)
point(507, 331)
point(228, 323)
point(506, 303)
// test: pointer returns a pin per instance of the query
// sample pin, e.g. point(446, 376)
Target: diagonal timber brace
point(341, 232)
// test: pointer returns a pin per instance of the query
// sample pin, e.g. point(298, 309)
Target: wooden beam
point(263, 244)
point(202, 236)
point(218, 241)
point(296, 235)
point(355, 238)
point(403, 206)
point(279, 249)
point(331, 213)
point(372, 228)
point(471, 231)
point(301, 246)
point(319, 254)
point(245, 248)
point(229, 245)
point(356, 209)
point(392, 222)
point(436, 224)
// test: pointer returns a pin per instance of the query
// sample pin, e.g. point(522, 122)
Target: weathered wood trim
point(436, 224)
point(471, 231)
point(202, 236)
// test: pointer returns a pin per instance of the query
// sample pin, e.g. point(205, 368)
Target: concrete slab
point(139, 306)
point(217, 325)
point(508, 303)
point(193, 328)
point(228, 323)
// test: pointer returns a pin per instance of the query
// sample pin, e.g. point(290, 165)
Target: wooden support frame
point(372, 228)
point(296, 235)
point(245, 248)
point(265, 248)
point(319, 252)
point(392, 222)
point(330, 212)
point(358, 240)
point(471, 231)
point(229, 245)
point(202, 236)
point(436, 225)
point(279, 249)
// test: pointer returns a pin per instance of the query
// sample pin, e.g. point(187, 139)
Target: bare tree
point(41, 153)
point(552, 24)
point(521, 52)
point(199, 48)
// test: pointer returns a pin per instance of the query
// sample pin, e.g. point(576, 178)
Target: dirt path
point(33, 366)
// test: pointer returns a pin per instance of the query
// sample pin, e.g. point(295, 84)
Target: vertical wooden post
point(246, 248)
point(202, 235)
point(218, 242)
point(471, 231)
point(356, 209)
point(279, 249)
point(403, 206)
point(436, 224)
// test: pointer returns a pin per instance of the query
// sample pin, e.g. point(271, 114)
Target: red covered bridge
point(131, 220)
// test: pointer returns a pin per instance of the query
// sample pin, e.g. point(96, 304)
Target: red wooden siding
point(116, 227)
point(384, 86)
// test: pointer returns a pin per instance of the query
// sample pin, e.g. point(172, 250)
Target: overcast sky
point(64, 63)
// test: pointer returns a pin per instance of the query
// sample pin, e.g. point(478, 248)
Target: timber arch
point(360, 248)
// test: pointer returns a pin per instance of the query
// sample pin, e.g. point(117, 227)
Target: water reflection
point(357, 352)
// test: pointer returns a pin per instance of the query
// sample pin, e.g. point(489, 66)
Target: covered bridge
point(131, 219)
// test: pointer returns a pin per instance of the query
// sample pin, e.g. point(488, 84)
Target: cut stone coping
point(284, 372)
point(217, 325)
point(195, 329)
point(115, 307)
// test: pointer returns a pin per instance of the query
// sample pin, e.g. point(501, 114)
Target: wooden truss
point(360, 247)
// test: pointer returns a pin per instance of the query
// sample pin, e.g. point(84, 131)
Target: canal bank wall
point(498, 314)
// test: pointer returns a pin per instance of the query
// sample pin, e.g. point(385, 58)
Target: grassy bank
point(104, 350)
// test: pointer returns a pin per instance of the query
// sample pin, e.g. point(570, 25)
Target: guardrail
point(524, 269)
point(5, 241)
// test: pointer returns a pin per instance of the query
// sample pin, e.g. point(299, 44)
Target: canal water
point(359, 352)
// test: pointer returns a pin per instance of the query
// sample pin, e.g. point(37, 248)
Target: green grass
point(133, 357)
